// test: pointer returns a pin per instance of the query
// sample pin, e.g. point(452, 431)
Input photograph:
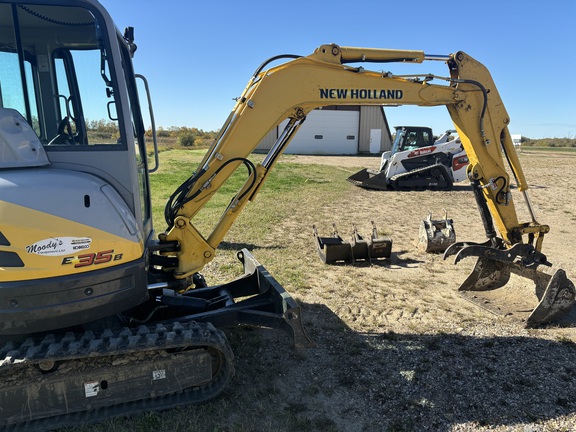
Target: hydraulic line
point(180, 198)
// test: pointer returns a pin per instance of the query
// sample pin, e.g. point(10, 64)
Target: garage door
point(326, 132)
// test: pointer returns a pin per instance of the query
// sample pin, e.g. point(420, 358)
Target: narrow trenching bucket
point(332, 249)
point(436, 235)
point(490, 286)
point(335, 248)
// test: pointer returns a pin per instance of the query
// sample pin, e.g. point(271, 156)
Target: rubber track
point(394, 179)
point(124, 341)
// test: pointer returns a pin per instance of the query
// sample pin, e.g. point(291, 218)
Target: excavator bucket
point(376, 247)
point(435, 235)
point(335, 248)
point(369, 179)
point(490, 286)
point(332, 249)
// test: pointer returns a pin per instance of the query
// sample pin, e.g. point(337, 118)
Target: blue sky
point(199, 55)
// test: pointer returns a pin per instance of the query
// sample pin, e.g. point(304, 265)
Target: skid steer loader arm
point(323, 78)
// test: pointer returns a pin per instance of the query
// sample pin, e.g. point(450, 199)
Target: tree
point(186, 138)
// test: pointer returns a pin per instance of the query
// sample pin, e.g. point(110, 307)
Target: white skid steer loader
point(417, 161)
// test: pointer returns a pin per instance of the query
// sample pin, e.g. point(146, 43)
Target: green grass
point(292, 190)
point(287, 186)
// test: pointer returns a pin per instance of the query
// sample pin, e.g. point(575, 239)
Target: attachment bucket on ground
point(335, 249)
point(435, 235)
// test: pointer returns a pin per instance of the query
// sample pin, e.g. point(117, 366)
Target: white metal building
point(338, 130)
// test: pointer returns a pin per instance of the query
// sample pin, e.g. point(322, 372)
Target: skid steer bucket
point(490, 285)
point(369, 179)
point(435, 235)
point(334, 248)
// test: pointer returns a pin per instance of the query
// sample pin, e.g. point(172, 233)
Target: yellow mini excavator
point(101, 317)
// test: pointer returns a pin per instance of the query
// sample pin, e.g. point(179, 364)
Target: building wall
point(371, 117)
point(268, 141)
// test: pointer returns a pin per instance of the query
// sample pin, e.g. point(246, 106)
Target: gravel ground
point(398, 349)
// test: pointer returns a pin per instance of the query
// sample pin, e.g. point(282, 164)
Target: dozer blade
point(436, 235)
point(490, 286)
point(369, 179)
point(256, 298)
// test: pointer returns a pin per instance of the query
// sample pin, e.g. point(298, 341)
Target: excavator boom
point(292, 89)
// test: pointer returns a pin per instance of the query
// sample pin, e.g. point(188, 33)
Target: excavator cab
point(83, 278)
point(73, 139)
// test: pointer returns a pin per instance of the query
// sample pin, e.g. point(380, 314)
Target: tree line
point(183, 136)
point(548, 142)
point(171, 137)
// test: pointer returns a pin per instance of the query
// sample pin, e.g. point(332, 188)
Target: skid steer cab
point(417, 161)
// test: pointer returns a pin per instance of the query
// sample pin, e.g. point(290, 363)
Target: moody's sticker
point(59, 246)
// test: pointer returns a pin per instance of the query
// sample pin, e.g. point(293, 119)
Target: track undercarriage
point(62, 380)
point(169, 352)
point(434, 177)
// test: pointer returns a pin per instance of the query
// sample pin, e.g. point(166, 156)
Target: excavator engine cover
point(335, 248)
point(435, 235)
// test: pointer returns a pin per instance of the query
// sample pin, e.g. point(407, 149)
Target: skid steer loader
point(417, 161)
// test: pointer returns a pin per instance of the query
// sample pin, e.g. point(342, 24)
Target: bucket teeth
point(490, 286)
point(335, 248)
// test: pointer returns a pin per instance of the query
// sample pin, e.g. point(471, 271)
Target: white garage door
point(326, 132)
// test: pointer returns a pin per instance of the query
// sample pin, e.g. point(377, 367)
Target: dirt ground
point(397, 348)
point(398, 215)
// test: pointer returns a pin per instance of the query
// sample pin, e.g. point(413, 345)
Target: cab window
point(54, 70)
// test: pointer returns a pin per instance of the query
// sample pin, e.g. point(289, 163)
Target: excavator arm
point(291, 91)
point(323, 78)
point(486, 141)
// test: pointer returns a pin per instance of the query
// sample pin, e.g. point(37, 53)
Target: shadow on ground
point(408, 382)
